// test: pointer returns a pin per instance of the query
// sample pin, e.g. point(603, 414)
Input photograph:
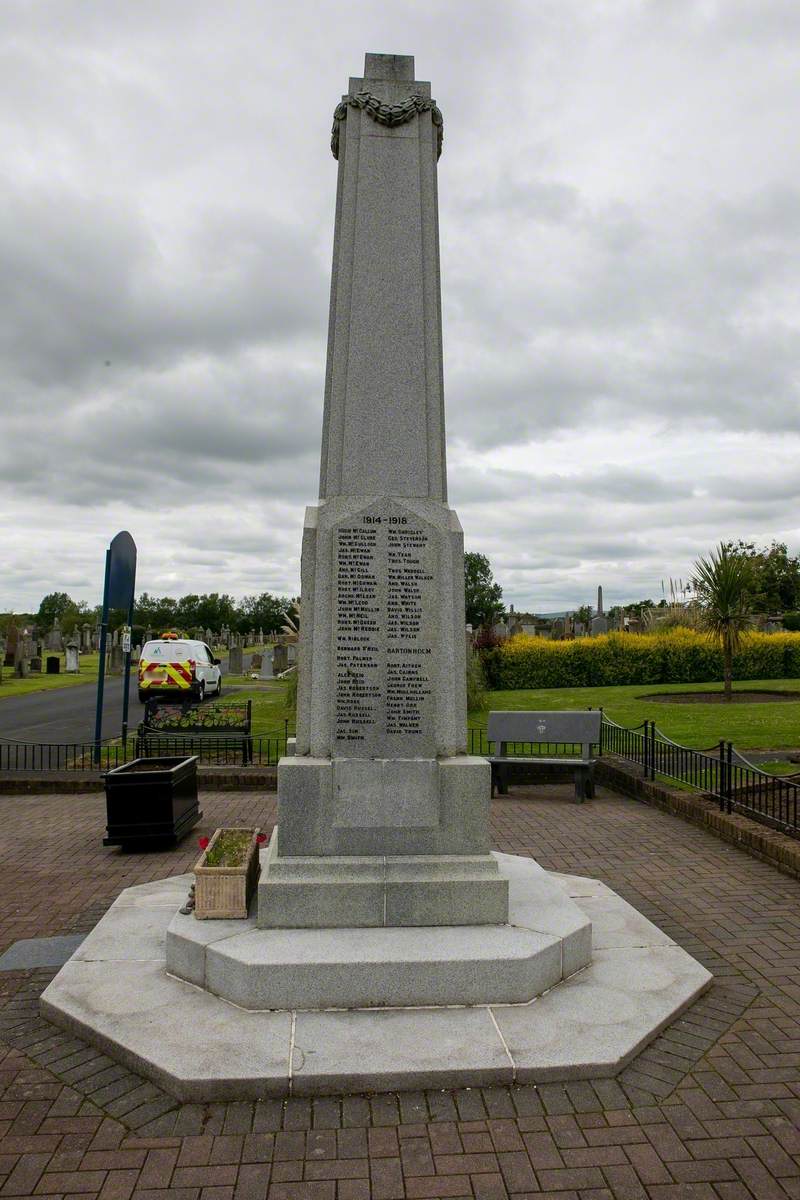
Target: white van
point(175, 666)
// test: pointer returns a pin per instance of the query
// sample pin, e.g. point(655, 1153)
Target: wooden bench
point(546, 731)
point(206, 730)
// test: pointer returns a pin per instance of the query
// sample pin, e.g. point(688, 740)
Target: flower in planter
point(261, 838)
point(203, 842)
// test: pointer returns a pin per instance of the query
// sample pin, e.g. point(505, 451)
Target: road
point(67, 714)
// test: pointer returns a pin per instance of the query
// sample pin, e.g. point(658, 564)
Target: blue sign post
point(118, 592)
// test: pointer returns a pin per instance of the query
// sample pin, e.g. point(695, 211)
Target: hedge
point(678, 656)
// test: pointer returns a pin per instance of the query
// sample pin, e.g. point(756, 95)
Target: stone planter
point(225, 892)
point(151, 800)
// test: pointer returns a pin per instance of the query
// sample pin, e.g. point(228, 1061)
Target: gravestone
point(115, 657)
point(53, 666)
point(255, 662)
point(12, 639)
point(381, 770)
point(54, 638)
point(266, 669)
point(86, 638)
point(36, 664)
point(599, 623)
point(73, 665)
point(235, 660)
point(280, 658)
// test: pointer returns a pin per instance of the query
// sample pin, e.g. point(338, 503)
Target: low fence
point(263, 750)
point(720, 771)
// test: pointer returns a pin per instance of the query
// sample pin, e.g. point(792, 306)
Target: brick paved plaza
point(710, 1109)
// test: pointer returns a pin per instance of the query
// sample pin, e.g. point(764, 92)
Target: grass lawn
point(748, 726)
point(11, 687)
point(269, 709)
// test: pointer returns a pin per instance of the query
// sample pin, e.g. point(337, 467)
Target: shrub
point(675, 656)
point(476, 683)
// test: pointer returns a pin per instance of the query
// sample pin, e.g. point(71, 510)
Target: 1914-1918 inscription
point(383, 637)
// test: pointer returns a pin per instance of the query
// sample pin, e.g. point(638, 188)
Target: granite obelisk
point(382, 815)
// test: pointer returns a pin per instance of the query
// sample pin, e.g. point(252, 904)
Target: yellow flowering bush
point(612, 659)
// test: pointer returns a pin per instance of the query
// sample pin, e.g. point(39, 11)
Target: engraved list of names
point(384, 647)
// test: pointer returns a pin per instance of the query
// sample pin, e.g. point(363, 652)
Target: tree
point(483, 597)
point(775, 575)
point(265, 612)
point(722, 587)
point(55, 605)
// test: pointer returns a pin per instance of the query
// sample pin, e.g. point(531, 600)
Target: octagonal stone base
point(117, 994)
point(548, 937)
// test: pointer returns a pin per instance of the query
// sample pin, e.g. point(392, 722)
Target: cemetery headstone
point(115, 658)
point(73, 665)
point(266, 668)
point(53, 666)
point(280, 659)
point(54, 638)
point(256, 661)
point(235, 660)
point(36, 664)
point(86, 638)
point(381, 769)
point(12, 639)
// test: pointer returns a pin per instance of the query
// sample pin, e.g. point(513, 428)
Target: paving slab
point(595, 1022)
point(29, 953)
point(397, 1050)
point(185, 1039)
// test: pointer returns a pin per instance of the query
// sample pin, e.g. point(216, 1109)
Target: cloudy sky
point(620, 238)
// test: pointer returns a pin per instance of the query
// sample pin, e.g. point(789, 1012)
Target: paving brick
point(25, 1175)
point(710, 1108)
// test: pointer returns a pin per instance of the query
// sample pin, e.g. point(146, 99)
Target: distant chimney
point(600, 601)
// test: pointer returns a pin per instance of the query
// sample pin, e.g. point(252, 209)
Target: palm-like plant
point(722, 589)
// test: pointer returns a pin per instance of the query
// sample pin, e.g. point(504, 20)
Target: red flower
point(261, 838)
point(203, 843)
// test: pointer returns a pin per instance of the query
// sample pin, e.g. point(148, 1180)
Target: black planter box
point(151, 800)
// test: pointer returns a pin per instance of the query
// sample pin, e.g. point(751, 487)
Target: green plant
point(291, 692)
point(616, 659)
point(476, 683)
point(230, 848)
point(722, 586)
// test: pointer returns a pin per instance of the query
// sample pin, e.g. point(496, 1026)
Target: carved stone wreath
point(387, 114)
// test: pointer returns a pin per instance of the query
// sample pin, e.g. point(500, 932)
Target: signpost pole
point(126, 676)
point(101, 670)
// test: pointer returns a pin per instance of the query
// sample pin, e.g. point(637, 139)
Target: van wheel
point(201, 691)
point(218, 692)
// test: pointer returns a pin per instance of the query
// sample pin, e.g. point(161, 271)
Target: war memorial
point(388, 947)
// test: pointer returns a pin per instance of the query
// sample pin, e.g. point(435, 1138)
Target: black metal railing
point(480, 744)
point(263, 749)
point(720, 771)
